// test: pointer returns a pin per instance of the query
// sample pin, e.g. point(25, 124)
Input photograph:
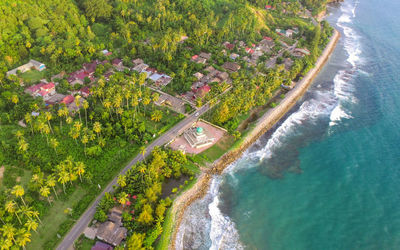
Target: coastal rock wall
point(263, 125)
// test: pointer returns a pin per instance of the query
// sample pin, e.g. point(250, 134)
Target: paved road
point(85, 219)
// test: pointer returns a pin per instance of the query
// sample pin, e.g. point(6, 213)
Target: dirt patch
point(18, 179)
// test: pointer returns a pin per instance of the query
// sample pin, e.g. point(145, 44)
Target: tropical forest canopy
point(65, 33)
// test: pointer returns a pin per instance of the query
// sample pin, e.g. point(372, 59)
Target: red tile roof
point(267, 38)
point(116, 61)
point(36, 87)
point(43, 92)
point(48, 86)
point(230, 46)
point(68, 99)
point(85, 90)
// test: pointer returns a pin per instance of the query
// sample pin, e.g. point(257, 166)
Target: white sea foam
point(223, 233)
point(213, 230)
point(343, 88)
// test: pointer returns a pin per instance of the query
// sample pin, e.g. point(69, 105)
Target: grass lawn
point(32, 76)
point(84, 243)
point(217, 150)
point(54, 218)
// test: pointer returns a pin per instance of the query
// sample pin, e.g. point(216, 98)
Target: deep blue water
point(328, 175)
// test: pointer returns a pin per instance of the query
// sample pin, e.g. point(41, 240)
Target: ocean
point(327, 176)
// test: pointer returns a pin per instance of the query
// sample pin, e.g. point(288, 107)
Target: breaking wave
point(343, 88)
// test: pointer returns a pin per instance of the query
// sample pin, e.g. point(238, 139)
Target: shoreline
point(264, 123)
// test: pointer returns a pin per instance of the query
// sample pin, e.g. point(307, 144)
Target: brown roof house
point(233, 67)
point(206, 56)
point(112, 230)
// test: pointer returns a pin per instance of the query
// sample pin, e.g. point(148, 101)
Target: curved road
point(87, 216)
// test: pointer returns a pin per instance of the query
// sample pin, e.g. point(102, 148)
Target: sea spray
point(343, 87)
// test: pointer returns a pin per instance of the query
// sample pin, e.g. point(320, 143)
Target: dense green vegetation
point(139, 194)
point(61, 158)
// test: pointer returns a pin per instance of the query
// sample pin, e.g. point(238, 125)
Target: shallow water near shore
point(328, 175)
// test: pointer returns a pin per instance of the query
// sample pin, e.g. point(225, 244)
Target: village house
point(198, 75)
point(85, 92)
point(223, 76)
point(44, 90)
point(298, 52)
point(32, 64)
point(68, 100)
point(183, 39)
point(140, 67)
point(202, 91)
point(233, 67)
point(137, 61)
point(117, 63)
point(163, 81)
point(56, 98)
point(77, 77)
point(229, 45)
point(198, 59)
point(209, 69)
point(149, 72)
point(90, 68)
point(155, 77)
point(106, 52)
point(206, 56)
point(101, 246)
point(233, 56)
point(112, 231)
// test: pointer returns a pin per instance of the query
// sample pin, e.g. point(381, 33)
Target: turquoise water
point(328, 175)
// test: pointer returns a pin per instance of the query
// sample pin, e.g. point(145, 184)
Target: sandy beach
point(263, 125)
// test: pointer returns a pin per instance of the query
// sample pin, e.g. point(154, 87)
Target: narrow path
point(87, 216)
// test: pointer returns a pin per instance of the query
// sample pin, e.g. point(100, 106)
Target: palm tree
point(68, 120)
point(36, 215)
point(19, 134)
point(23, 145)
point(78, 103)
point(63, 177)
point(51, 182)
point(156, 116)
point(31, 225)
point(85, 106)
point(23, 237)
point(97, 128)
point(14, 99)
point(80, 169)
point(121, 181)
point(85, 140)
point(123, 198)
point(45, 191)
point(28, 119)
point(8, 231)
point(48, 117)
point(54, 144)
point(19, 191)
point(11, 208)
point(5, 243)
point(101, 142)
point(27, 211)
point(143, 152)
point(78, 125)
point(46, 131)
